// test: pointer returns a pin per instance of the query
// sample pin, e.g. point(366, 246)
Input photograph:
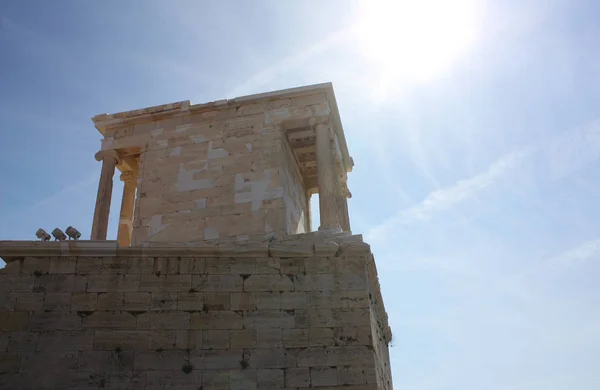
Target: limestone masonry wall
point(140, 321)
point(204, 171)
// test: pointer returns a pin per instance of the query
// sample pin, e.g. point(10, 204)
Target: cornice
point(15, 250)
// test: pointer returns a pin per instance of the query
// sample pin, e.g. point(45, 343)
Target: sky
point(474, 126)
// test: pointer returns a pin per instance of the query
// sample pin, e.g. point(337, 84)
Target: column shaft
point(105, 186)
point(327, 179)
point(127, 203)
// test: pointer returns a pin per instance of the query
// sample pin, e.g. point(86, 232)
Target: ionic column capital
point(346, 190)
point(104, 155)
point(128, 176)
point(317, 121)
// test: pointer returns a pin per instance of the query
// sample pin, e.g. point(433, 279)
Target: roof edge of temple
point(105, 121)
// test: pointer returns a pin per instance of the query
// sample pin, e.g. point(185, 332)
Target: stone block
point(357, 375)
point(57, 302)
point(269, 358)
point(188, 339)
point(269, 319)
point(16, 283)
point(122, 339)
point(215, 339)
point(9, 364)
point(63, 265)
point(29, 301)
point(270, 378)
point(8, 301)
point(165, 283)
point(216, 359)
point(242, 338)
point(167, 265)
point(269, 338)
point(61, 283)
point(110, 301)
point(173, 380)
point(140, 265)
point(105, 361)
point(321, 337)
point(295, 338)
point(113, 283)
point(130, 380)
point(223, 283)
point(114, 266)
point(292, 266)
point(268, 265)
point(78, 340)
point(242, 301)
point(243, 379)
point(166, 320)
point(217, 266)
point(268, 300)
point(4, 339)
point(40, 362)
point(297, 377)
point(256, 283)
point(215, 380)
point(35, 265)
point(11, 321)
point(293, 300)
point(190, 301)
point(163, 301)
point(243, 266)
point(88, 265)
point(110, 320)
point(216, 320)
point(22, 342)
point(49, 321)
point(191, 265)
point(136, 301)
point(347, 335)
point(323, 376)
point(84, 301)
point(216, 301)
point(333, 356)
point(338, 317)
point(349, 282)
point(167, 360)
point(315, 282)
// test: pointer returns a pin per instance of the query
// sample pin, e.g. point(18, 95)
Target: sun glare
point(416, 40)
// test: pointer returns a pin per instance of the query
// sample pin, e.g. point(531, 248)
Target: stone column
point(109, 160)
point(129, 180)
point(343, 199)
point(327, 179)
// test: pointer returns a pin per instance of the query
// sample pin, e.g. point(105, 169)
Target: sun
point(416, 40)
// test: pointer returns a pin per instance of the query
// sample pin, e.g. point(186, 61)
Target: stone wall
point(294, 315)
point(216, 170)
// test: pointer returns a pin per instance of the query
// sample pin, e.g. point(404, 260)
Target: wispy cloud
point(262, 79)
point(553, 158)
point(447, 197)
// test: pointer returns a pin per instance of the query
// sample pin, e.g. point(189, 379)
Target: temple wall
point(288, 316)
point(219, 171)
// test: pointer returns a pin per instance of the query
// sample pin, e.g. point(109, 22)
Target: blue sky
point(475, 131)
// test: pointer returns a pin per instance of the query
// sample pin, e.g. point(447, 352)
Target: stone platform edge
point(16, 250)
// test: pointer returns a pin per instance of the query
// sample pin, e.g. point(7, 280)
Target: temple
point(215, 279)
point(237, 168)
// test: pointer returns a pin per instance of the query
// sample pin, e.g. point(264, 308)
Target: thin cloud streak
point(445, 198)
point(555, 158)
point(287, 64)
